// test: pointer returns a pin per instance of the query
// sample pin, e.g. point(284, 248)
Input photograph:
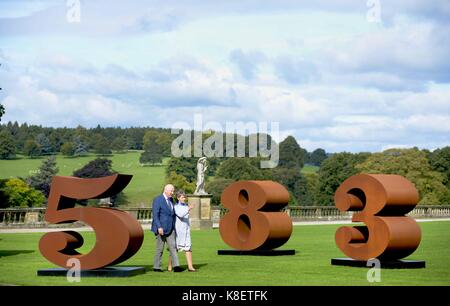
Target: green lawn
point(309, 169)
point(147, 181)
point(20, 258)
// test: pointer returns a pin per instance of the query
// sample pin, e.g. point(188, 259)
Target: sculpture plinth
point(384, 264)
point(102, 272)
point(200, 215)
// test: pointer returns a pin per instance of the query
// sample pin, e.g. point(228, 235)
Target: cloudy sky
point(348, 75)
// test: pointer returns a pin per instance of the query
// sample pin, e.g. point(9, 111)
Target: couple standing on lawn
point(171, 225)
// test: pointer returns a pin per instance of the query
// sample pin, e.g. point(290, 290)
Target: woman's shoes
point(179, 269)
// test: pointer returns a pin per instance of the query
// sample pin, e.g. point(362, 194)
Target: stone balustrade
point(34, 217)
point(331, 213)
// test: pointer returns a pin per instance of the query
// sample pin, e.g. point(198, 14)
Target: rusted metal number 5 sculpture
point(254, 220)
point(119, 235)
point(381, 202)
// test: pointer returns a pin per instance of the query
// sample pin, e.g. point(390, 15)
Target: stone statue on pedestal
point(201, 169)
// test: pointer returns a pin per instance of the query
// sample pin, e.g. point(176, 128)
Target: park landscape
point(319, 91)
point(314, 244)
point(310, 266)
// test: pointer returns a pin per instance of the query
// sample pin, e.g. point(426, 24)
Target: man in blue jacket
point(163, 226)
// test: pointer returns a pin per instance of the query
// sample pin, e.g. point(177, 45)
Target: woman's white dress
point(182, 227)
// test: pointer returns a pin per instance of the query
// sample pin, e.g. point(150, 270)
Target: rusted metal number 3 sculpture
point(381, 202)
point(254, 220)
point(119, 235)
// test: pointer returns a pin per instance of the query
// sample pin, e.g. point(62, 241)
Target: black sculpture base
point(386, 264)
point(257, 252)
point(103, 272)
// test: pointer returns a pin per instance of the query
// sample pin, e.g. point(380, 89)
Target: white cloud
point(407, 50)
point(335, 82)
point(429, 123)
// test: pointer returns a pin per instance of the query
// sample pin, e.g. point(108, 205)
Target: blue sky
point(331, 76)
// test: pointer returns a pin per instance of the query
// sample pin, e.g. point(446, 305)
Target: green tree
point(150, 157)
point(44, 143)
point(22, 136)
point(164, 140)
point(153, 152)
point(98, 167)
point(213, 165)
point(185, 166)
point(291, 154)
point(440, 161)
point(7, 145)
point(56, 139)
point(135, 136)
point(312, 180)
point(333, 171)
point(216, 187)
point(414, 165)
point(68, 149)
point(4, 197)
point(19, 194)
point(317, 157)
point(31, 148)
point(2, 111)
point(119, 144)
point(100, 144)
point(238, 169)
point(295, 183)
point(43, 178)
point(81, 146)
point(180, 182)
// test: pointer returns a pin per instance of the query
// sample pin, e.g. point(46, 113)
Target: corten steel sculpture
point(119, 235)
point(254, 220)
point(381, 202)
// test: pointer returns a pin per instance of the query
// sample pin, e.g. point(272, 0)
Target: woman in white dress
point(183, 229)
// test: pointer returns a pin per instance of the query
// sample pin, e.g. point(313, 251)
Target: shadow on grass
point(149, 268)
point(196, 266)
point(146, 267)
point(4, 253)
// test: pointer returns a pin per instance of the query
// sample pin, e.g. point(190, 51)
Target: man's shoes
point(193, 270)
point(177, 269)
point(157, 270)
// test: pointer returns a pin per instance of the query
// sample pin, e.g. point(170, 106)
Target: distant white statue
point(105, 202)
point(201, 169)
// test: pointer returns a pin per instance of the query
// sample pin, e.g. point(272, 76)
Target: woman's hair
point(180, 193)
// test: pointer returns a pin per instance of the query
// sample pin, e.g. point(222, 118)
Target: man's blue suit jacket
point(163, 216)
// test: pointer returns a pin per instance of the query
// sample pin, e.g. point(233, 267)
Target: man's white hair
point(168, 187)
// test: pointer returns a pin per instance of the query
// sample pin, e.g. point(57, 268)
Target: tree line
point(35, 141)
point(428, 170)
point(34, 190)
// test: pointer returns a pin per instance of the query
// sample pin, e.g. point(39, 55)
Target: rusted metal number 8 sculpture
point(254, 220)
point(381, 202)
point(119, 235)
